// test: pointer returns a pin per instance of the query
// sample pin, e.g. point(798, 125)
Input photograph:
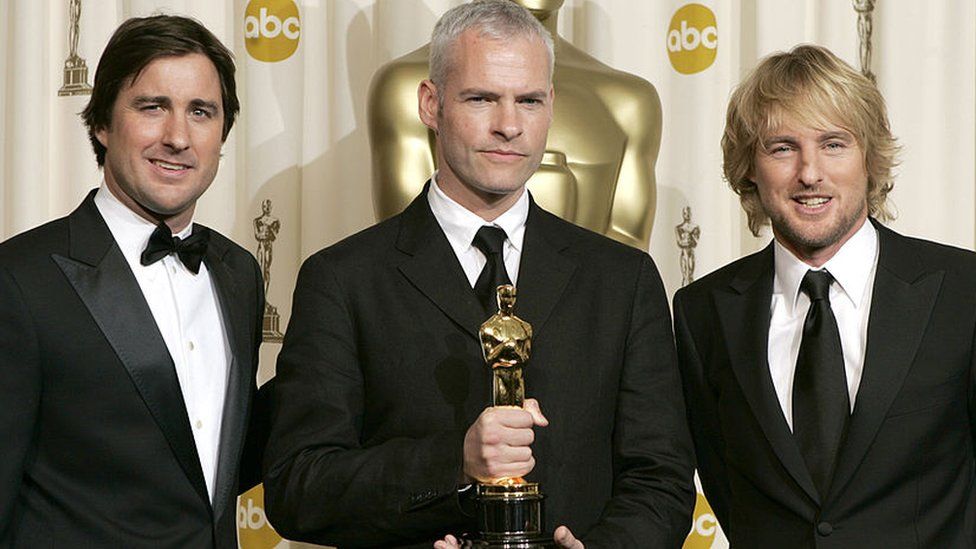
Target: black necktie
point(190, 251)
point(490, 241)
point(821, 407)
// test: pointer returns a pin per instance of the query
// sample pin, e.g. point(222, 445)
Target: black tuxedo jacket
point(381, 375)
point(97, 447)
point(904, 476)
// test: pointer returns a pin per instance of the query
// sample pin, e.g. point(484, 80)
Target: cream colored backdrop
point(301, 140)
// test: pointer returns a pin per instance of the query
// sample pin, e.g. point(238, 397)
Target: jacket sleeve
point(702, 414)
point(653, 459)
point(322, 484)
point(20, 395)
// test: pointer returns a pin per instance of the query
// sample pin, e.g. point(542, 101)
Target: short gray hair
point(496, 19)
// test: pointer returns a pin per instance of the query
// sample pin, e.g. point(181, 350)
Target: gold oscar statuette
point(510, 510)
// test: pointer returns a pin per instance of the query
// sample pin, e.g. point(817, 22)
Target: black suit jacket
point(905, 472)
point(381, 375)
point(97, 447)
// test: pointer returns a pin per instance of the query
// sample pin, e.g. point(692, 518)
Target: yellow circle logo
point(272, 29)
point(692, 39)
point(703, 528)
point(253, 529)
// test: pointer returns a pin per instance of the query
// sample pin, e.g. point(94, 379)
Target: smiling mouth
point(170, 166)
point(812, 201)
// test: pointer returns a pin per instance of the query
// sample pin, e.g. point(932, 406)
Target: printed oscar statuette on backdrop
point(510, 510)
point(75, 68)
point(266, 228)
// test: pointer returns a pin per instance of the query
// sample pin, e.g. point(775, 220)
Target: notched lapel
point(900, 311)
point(102, 278)
point(743, 310)
point(544, 272)
point(434, 269)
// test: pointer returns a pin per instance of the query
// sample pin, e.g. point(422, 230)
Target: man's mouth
point(171, 166)
point(812, 201)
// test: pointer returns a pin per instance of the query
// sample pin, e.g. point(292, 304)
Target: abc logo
point(692, 39)
point(703, 529)
point(253, 529)
point(272, 29)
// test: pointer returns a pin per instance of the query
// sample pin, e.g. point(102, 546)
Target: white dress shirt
point(853, 268)
point(460, 225)
point(185, 308)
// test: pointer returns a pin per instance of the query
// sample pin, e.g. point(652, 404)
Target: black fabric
point(905, 471)
point(190, 250)
point(95, 431)
point(821, 407)
point(491, 240)
point(382, 373)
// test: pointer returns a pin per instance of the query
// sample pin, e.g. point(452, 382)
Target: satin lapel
point(901, 304)
point(233, 297)
point(100, 275)
point(434, 269)
point(544, 272)
point(743, 310)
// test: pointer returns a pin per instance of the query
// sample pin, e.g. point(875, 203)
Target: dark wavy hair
point(139, 41)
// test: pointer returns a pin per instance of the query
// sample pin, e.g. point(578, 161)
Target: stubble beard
point(810, 241)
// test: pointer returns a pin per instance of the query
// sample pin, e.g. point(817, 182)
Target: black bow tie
point(190, 251)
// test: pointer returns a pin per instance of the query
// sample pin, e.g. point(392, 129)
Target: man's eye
point(149, 108)
point(201, 112)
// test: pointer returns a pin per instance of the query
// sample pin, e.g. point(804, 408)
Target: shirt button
point(172, 269)
point(824, 529)
point(199, 424)
point(191, 346)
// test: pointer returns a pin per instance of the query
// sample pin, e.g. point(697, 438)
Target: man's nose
point(507, 121)
point(176, 135)
point(810, 169)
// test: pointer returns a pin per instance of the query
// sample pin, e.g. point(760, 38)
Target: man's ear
point(101, 135)
point(428, 104)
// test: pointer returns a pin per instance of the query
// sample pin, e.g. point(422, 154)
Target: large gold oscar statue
point(598, 170)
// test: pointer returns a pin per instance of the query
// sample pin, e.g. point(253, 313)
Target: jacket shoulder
point(363, 247)
point(719, 278)
point(595, 247)
point(35, 244)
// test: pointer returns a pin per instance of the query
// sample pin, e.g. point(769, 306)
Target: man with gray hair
point(379, 420)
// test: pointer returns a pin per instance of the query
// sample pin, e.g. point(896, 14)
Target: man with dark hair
point(128, 334)
point(379, 423)
point(829, 378)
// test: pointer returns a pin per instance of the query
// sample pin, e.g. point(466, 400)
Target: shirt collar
point(851, 267)
point(461, 224)
point(130, 230)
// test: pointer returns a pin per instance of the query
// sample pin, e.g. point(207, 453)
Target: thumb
point(531, 406)
point(565, 539)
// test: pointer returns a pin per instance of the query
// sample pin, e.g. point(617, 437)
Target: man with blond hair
point(829, 377)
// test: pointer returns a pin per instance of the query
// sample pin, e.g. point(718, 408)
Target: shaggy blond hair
point(811, 86)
